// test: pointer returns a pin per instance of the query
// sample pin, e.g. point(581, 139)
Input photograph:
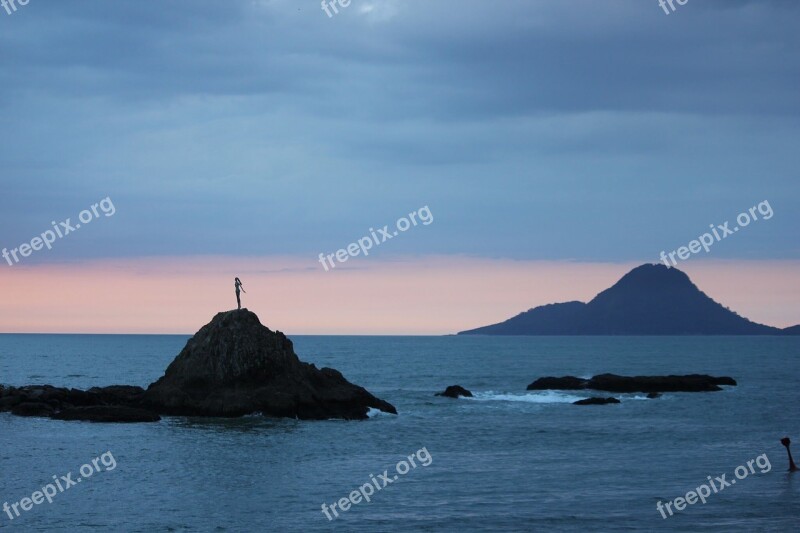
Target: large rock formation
point(232, 367)
point(615, 383)
point(648, 300)
point(236, 366)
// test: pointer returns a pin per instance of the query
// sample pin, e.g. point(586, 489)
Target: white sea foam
point(549, 396)
point(528, 397)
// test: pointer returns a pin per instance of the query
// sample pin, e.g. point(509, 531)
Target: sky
point(556, 145)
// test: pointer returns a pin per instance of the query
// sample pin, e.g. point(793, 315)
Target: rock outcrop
point(596, 401)
point(615, 383)
point(233, 366)
point(118, 403)
point(454, 391)
point(236, 366)
point(37, 409)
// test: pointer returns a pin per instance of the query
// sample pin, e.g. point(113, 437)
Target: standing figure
point(238, 286)
point(786, 442)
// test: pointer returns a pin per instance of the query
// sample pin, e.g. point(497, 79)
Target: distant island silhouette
point(651, 299)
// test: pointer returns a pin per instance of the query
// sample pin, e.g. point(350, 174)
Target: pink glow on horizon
point(418, 295)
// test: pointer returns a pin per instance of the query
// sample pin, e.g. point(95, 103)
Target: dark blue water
point(505, 461)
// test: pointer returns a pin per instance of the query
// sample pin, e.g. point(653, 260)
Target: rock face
point(32, 409)
point(454, 391)
point(118, 403)
point(236, 366)
point(614, 383)
point(233, 366)
point(596, 401)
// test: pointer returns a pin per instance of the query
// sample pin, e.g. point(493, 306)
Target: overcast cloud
point(581, 129)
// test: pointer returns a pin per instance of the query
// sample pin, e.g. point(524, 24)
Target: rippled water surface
point(506, 460)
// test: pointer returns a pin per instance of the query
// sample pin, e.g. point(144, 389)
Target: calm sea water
point(505, 461)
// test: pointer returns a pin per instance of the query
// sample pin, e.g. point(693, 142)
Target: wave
point(528, 397)
point(374, 412)
point(544, 396)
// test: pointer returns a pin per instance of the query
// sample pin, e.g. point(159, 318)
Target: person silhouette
point(786, 442)
point(238, 286)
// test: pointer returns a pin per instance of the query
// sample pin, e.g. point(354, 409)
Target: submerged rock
point(454, 391)
point(615, 383)
point(596, 401)
point(236, 366)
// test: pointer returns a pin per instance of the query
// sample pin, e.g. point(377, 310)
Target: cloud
point(537, 129)
point(379, 11)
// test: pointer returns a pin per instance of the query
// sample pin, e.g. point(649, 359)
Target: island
point(233, 366)
point(651, 299)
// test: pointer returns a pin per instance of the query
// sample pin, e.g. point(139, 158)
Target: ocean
point(505, 460)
